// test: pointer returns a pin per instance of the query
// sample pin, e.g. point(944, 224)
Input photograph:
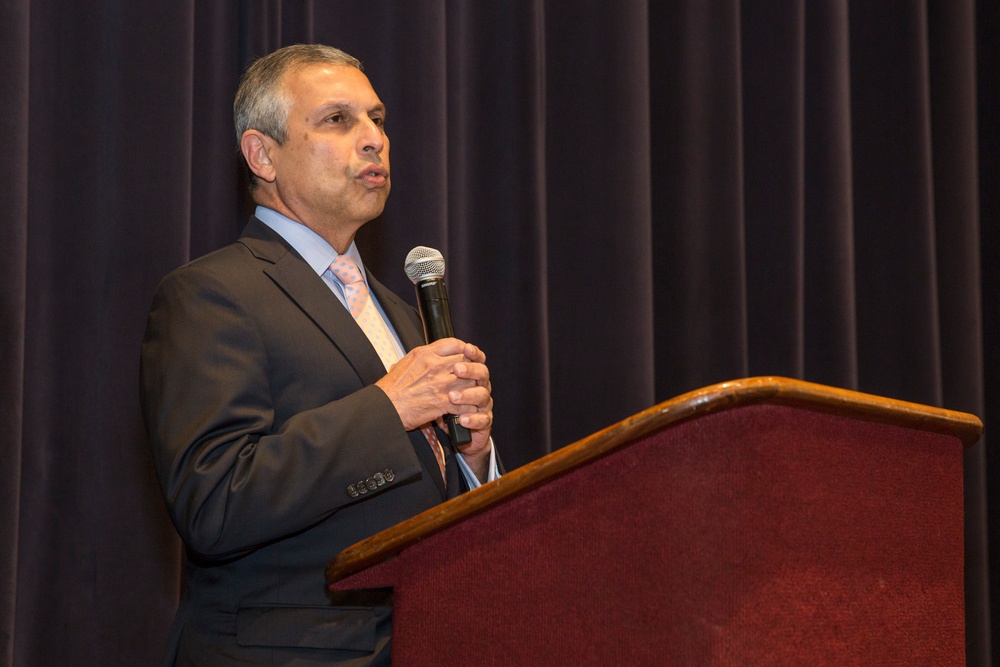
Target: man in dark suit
point(283, 431)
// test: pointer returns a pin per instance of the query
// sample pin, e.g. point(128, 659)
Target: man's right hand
point(419, 384)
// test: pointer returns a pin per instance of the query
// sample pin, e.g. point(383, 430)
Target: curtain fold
point(635, 199)
point(14, 51)
point(107, 186)
point(598, 214)
point(893, 203)
point(987, 55)
point(218, 184)
point(830, 311)
point(772, 64)
point(698, 189)
point(952, 78)
point(494, 55)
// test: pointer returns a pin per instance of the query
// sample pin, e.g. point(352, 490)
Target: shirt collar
point(314, 249)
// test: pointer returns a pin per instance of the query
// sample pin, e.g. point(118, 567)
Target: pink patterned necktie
point(366, 315)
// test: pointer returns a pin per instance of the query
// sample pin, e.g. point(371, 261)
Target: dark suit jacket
point(267, 432)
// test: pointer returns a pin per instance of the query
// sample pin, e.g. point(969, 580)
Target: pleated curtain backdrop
point(635, 199)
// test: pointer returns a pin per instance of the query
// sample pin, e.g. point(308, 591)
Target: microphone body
point(425, 269)
point(432, 302)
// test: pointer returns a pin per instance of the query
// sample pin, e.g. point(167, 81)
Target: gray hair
point(261, 101)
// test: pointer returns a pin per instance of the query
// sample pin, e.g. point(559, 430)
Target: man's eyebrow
point(347, 106)
point(336, 106)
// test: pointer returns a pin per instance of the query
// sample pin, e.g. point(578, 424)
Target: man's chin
point(377, 203)
point(372, 212)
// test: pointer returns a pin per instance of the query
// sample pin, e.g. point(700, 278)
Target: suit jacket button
point(362, 489)
point(351, 491)
point(371, 484)
point(379, 478)
point(389, 475)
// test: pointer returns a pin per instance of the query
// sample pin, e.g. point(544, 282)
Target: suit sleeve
point(232, 479)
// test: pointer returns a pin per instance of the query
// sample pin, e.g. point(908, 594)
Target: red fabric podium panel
point(758, 535)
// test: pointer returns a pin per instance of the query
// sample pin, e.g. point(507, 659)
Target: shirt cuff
point(470, 477)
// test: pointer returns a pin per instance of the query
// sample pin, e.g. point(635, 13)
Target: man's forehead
point(331, 83)
point(326, 72)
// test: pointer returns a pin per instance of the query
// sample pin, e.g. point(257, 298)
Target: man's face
point(332, 172)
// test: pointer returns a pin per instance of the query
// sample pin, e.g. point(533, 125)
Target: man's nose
point(372, 138)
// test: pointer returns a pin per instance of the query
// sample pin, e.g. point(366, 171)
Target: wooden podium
point(763, 521)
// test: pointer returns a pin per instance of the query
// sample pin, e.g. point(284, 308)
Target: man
point(279, 435)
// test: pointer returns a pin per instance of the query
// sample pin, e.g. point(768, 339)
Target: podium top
point(715, 398)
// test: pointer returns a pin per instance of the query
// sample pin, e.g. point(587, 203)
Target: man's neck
point(339, 236)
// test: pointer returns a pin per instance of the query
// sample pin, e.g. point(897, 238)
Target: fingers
point(453, 346)
point(448, 376)
point(476, 421)
point(471, 370)
point(474, 406)
point(473, 399)
point(473, 353)
point(447, 346)
point(477, 372)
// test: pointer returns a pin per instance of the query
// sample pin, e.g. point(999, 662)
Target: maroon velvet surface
point(762, 535)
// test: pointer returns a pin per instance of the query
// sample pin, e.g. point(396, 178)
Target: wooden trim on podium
point(723, 396)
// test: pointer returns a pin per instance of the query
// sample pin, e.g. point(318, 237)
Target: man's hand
point(475, 409)
point(448, 376)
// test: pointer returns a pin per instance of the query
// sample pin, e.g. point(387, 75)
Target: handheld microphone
point(425, 269)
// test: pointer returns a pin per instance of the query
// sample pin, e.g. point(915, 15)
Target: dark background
point(635, 199)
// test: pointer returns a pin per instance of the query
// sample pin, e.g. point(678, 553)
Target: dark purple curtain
point(635, 199)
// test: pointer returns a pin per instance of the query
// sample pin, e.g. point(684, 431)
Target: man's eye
point(336, 118)
point(378, 120)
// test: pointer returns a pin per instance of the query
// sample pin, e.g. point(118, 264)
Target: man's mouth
point(374, 175)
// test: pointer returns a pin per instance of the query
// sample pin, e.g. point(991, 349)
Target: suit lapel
point(297, 279)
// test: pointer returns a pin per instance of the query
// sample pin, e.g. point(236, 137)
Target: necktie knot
point(346, 270)
point(355, 291)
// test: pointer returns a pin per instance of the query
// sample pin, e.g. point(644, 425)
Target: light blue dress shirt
point(319, 254)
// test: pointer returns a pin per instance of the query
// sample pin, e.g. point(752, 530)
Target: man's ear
point(255, 146)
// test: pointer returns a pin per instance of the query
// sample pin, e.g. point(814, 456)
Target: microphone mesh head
point(423, 264)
